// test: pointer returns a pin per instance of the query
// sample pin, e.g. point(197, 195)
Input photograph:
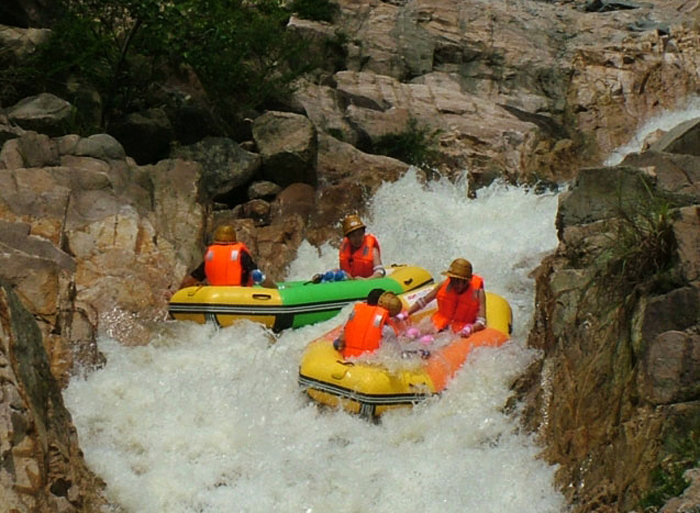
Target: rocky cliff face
point(42, 465)
point(616, 394)
point(526, 90)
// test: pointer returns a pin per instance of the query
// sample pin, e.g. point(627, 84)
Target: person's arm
point(198, 274)
point(196, 277)
point(480, 322)
point(379, 271)
point(249, 265)
point(425, 300)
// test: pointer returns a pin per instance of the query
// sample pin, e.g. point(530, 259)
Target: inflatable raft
point(292, 305)
point(370, 389)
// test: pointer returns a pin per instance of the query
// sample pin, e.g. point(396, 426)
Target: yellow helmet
point(352, 223)
point(460, 268)
point(225, 233)
point(390, 302)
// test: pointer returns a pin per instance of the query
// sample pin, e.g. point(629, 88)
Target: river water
point(212, 420)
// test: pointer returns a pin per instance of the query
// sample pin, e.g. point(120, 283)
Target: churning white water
point(687, 110)
point(212, 420)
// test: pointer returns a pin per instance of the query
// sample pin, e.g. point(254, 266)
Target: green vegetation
point(667, 478)
point(643, 246)
point(239, 50)
point(415, 145)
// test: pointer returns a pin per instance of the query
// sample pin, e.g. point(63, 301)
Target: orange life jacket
point(222, 264)
point(359, 263)
point(456, 310)
point(363, 331)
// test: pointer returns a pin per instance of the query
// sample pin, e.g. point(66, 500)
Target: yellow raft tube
point(370, 389)
point(293, 304)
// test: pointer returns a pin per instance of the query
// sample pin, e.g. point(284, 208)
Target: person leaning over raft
point(461, 300)
point(360, 254)
point(368, 324)
point(227, 262)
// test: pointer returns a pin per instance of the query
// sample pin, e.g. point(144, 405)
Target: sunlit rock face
point(526, 89)
point(43, 468)
point(617, 388)
point(91, 240)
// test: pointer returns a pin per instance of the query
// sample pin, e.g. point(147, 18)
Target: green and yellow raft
point(369, 389)
point(292, 305)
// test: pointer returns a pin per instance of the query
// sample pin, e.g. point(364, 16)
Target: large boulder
point(22, 42)
point(45, 113)
point(225, 165)
point(617, 385)
point(288, 144)
point(684, 139)
point(146, 136)
point(106, 215)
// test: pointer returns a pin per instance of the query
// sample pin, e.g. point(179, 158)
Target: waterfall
point(665, 121)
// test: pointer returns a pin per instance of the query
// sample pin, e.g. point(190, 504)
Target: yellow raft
point(370, 389)
point(292, 304)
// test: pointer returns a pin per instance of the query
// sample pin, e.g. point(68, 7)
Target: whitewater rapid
point(212, 420)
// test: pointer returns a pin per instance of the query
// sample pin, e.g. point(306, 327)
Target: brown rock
point(298, 198)
point(671, 365)
point(39, 442)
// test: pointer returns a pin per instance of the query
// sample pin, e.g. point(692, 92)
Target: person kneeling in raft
point(227, 262)
point(359, 256)
point(369, 323)
point(461, 301)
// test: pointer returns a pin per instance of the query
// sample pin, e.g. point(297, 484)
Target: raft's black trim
point(363, 399)
point(283, 321)
point(212, 318)
point(259, 309)
point(284, 314)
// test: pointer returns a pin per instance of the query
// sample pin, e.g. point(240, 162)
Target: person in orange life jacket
point(461, 301)
point(360, 254)
point(227, 262)
point(369, 324)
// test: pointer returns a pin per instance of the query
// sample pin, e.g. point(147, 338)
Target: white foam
point(665, 121)
point(213, 420)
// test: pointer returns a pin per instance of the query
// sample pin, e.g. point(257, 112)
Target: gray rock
point(225, 165)
point(146, 136)
point(288, 145)
point(100, 146)
point(263, 189)
point(684, 139)
point(44, 113)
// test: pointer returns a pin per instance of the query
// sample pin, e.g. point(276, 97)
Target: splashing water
point(212, 420)
point(690, 109)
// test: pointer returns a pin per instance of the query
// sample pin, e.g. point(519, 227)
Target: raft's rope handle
point(190, 294)
point(337, 375)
